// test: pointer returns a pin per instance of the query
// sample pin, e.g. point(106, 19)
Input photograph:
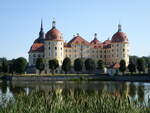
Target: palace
point(52, 46)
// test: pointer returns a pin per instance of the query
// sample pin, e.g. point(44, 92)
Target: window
point(34, 55)
point(55, 54)
point(55, 48)
point(49, 48)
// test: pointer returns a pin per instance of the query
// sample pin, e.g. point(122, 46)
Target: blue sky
point(20, 22)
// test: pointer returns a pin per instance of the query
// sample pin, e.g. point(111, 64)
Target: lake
point(134, 90)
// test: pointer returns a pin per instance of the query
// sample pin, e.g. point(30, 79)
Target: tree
point(133, 59)
point(4, 65)
point(40, 65)
point(122, 66)
point(89, 64)
point(141, 65)
point(53, 65)
point(132, 67)
point(11, 66)
point(100, 65)
point(66, 66)
point(78, 65)
point(0, 67)
point(20, 65)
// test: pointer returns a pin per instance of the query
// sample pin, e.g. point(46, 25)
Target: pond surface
point(134, 90)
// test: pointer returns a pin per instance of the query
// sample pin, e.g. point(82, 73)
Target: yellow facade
point(53, 47)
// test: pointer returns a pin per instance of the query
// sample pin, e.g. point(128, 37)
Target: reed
point(71, 102)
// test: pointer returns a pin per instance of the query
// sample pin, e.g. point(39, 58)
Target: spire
point(95, 36)
point(53, 23)
point(119, 28)
point(41, 24)
point(41, 33)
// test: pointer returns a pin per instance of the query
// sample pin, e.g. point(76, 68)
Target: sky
point(20, 22)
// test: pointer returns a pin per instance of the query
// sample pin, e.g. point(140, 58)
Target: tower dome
point(54, 34)
point(119, 36)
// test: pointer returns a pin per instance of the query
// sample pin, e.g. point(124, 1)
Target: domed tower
point(54, 45)
point(120, 48)
point(37, 48)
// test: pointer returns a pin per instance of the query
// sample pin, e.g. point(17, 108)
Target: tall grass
point(71, 102)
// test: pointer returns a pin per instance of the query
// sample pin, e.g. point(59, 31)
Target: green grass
point(72, 102)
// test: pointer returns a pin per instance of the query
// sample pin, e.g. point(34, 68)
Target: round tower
point(53, 45)
point(120, 46)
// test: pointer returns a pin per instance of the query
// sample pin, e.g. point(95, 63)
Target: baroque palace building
point(52, 46)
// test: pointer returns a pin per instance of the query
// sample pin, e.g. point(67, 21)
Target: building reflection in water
point(73, 89)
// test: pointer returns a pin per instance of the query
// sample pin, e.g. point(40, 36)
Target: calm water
point(136, 91)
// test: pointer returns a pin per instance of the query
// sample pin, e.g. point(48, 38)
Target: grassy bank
point(77, 102)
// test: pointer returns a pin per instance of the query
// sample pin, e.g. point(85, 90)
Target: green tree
point(141, 65)
point(11, 66)
point(20, 65)
point(133, 59)
point(40, 65)
point(78, 65)
point(90, 64)
point(66, 66)
point(4, 65)
point(53, 65)
point(122, 66)
point(100, 65)
point(0, 67)
point(132, 67)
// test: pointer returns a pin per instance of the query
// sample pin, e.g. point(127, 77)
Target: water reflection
point(139, 91)
point(132, 90)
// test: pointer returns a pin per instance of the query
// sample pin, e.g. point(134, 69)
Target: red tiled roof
point(78, 40)
point(119, 37)
point(96, 43)
point(107, 44)
point(37, 47)
point(67, 45)
point(54, 34)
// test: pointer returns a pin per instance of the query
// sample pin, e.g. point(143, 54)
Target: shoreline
point(126, 78)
